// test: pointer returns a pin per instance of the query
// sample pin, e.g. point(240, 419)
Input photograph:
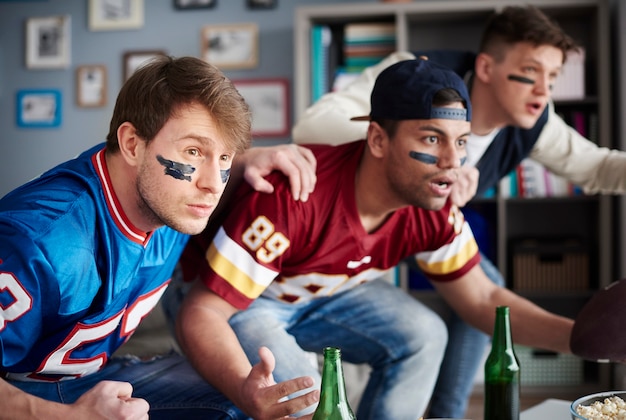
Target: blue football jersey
point(76, 277)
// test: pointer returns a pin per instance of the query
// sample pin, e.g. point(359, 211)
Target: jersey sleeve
point(251, 244)
point(457, 253)
point(562, 150)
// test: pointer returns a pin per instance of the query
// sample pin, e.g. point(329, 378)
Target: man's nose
point(543, 84)
point(451, 157)
point(211, 178)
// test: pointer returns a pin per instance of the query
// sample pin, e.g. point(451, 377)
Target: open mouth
point(535, 107)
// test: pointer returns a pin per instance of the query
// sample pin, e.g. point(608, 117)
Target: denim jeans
point(462, 359)
point(170, 385)
point(376, 323)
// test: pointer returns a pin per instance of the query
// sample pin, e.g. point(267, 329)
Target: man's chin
point(437, 204)
point(191, 227)
point(527, 122)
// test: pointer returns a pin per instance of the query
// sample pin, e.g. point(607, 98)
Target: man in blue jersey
point(521, 54)
point(88, 248)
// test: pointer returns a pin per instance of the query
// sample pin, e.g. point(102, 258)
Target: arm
point(474, 297)
point(213, 349)
point(328, 119)
point(565, 152)
point(106, 400)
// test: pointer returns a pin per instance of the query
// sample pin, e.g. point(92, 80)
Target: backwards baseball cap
point(405, 91)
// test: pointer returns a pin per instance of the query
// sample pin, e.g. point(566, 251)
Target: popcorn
point(612, 408)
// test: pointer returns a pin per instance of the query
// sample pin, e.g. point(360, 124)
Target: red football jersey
point(295, 251)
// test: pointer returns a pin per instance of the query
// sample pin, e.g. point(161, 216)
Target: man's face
point(423, 158)
point(522, 82)
point(183, 172)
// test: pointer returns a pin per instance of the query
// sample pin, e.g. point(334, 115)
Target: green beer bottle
point(502, 372)
point(333, 403)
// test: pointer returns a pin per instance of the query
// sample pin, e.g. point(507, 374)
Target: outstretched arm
point(562, 150)
point(474, 297)
point(214, 350)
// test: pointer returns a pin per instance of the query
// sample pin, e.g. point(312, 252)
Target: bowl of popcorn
point(601, 406)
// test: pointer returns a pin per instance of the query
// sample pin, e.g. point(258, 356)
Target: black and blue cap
point(405, 91)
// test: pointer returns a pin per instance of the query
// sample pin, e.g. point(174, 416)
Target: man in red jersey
point(297, 277)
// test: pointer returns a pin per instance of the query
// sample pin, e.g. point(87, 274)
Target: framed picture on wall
point(48, 42)
point(91, 86)
point(194, 4)
point(261, 4)
point(134, 59)
point(111, 15)
point(268, 100)
point(231, 46)
point(38, 108)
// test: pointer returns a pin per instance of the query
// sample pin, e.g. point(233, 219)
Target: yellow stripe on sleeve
point(451, 257)
point(232, 274)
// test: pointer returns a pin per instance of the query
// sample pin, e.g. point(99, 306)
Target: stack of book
point(340, 53)
point(365, 44)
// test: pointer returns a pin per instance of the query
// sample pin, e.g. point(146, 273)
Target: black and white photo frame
point(134, 59)
point(194, 4)
point(261, 4)
point(91, 86)
point(48, 42)
point(231, 46)
point(268, 100)
point(114, 15)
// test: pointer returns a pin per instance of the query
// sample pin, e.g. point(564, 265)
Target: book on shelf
point(570, 84)
point(321, 38)
point(340, 53)
point(530, 179)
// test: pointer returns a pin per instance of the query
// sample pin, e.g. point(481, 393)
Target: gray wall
point(26, 152)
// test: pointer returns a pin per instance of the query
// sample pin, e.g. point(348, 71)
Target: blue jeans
point(375, 323)
point(170, 385)
point(462, 359)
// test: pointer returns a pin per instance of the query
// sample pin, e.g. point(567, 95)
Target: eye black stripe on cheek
point(424, 157)
point(176, 169)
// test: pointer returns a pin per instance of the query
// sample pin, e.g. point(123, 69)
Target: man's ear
point(130, 144)
point(483, 67)
point(377, 139)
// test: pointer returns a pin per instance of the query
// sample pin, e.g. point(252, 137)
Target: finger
point(257, 182)
point(309, 177)
point(124, 390)
point(296, 404)
point(138, 407)
point(299, 165)
point(295, 182)
point(268, 361)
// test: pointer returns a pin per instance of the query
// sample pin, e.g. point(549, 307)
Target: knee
point(438, 334)
point(430, 336)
